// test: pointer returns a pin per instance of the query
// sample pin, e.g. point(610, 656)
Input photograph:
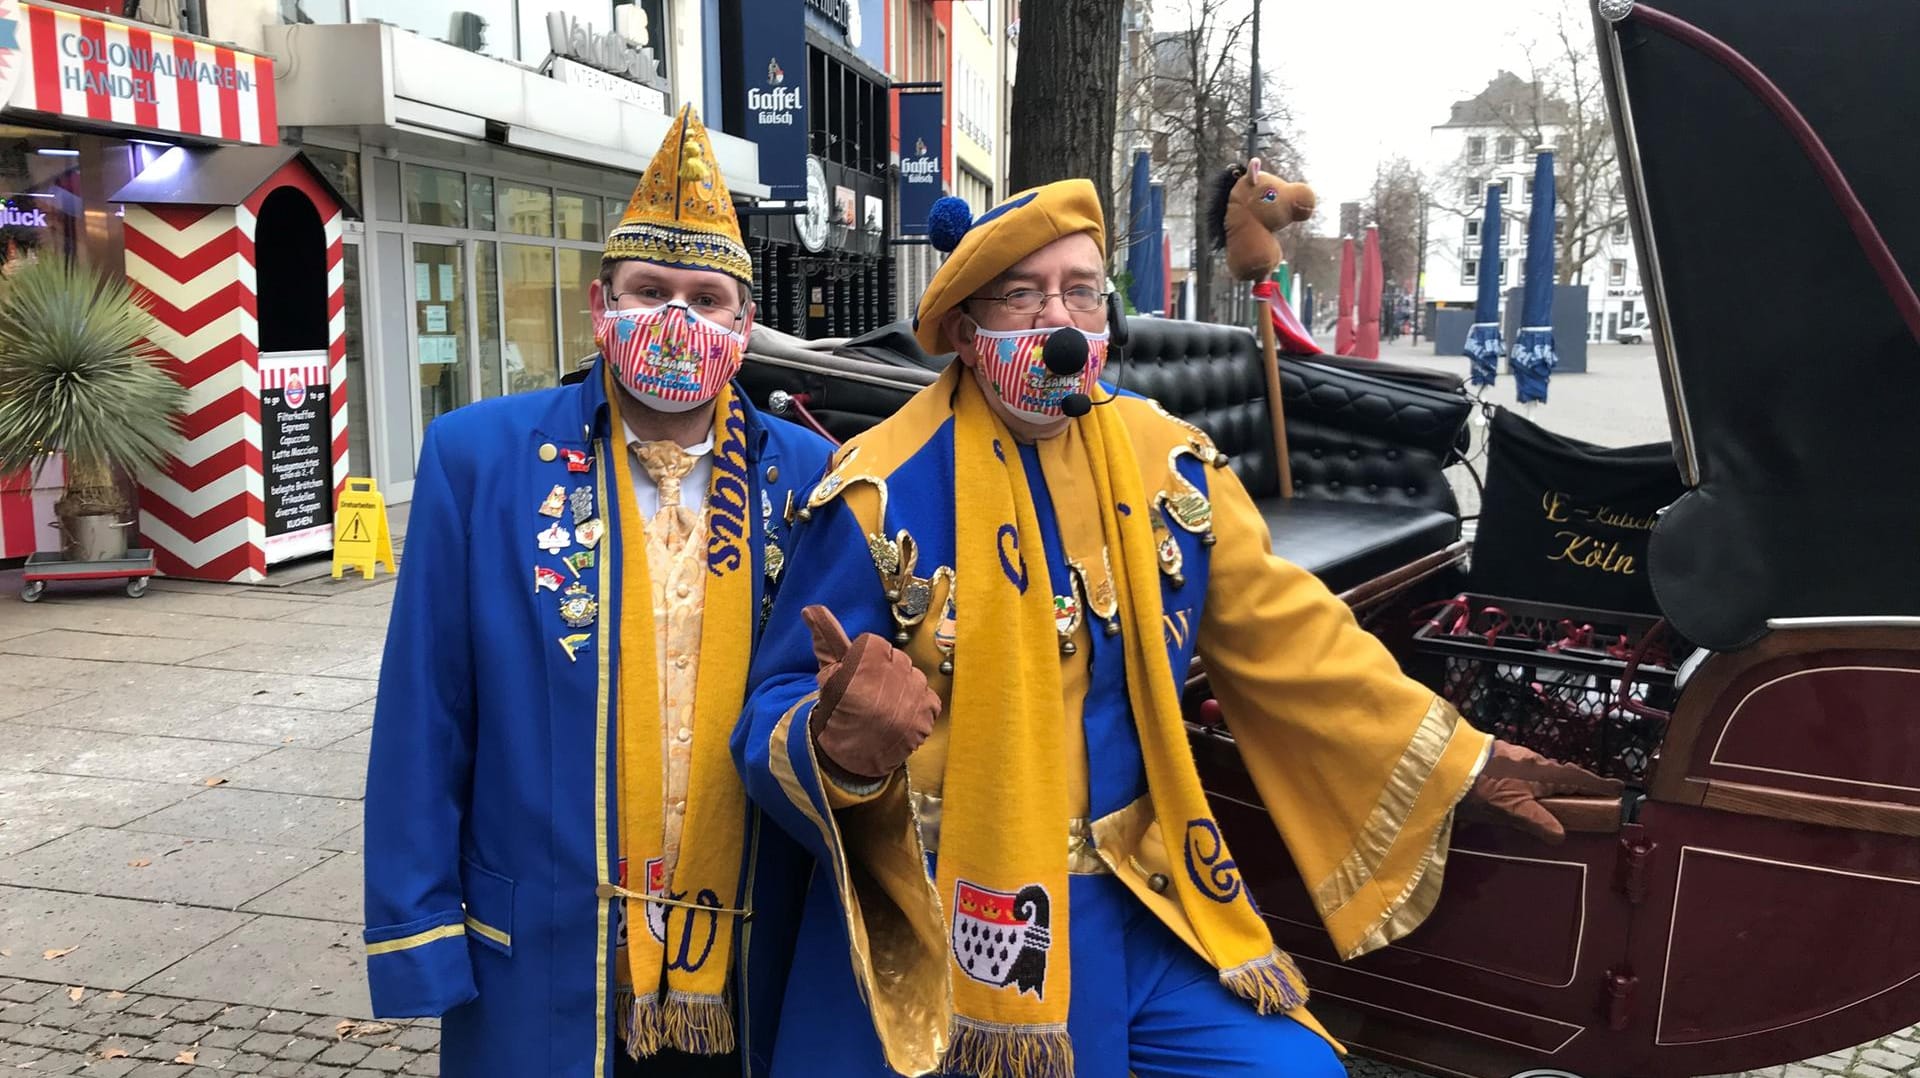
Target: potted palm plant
point(78, 377)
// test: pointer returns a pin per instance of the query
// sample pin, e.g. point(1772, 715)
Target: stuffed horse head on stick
point(1248, 207)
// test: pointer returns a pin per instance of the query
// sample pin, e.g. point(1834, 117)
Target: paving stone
point(116, 941)
point(71, 1041)
point(314, 772)
point(345, 1054)
point(185, 1033)
point(8, 1029)
point(428, 1066)
point(192, 871)
point(390, 1058)
point(419, 1040)
point(288, 1022)
point(23, 1014)
point(298, 1049)
point(105, 647)
point(226, 1038)
point(140, 1027)
point(111, 1068)
point(57, 1062)
point(331, 891)
point(198, 1010)
point(266, 1044)
point(148, 758)
point(246, 1063)
point(277, 962)
point(155, 1069)
point(152, 1006)
point(1881, 1056)
point(19, 1055)
point(255, 816)
point(26, 991)
point(323, 1029)
point(240, 1017)
point(284, 1068)
point(110, 1002)
point(1868, 1070)
point(99, 1025)
point(38, 1036)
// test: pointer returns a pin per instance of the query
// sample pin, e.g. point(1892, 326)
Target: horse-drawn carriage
point(1746, 901)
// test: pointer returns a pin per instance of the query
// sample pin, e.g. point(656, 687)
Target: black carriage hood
point(1792, 377)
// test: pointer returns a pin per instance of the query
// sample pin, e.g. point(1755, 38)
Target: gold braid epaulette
point(894, 559)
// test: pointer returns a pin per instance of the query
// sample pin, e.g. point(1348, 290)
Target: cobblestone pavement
point(180, 799)
point(51, 1029)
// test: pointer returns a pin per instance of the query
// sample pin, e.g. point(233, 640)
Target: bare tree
point(1395, 204)
point(1197, 99)
point(1064, 93)
point(1562, 104)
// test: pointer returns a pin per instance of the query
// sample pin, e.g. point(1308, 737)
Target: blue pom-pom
point(947, 223)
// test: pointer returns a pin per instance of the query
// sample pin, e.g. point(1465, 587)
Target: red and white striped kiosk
point(236, 250)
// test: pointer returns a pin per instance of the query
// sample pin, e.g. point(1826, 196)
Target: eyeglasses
point(704, 305)
point(1080, 299)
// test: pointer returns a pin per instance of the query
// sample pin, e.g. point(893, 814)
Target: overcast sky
point(1367, 78)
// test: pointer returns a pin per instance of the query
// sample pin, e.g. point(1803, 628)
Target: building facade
point(1490, 139)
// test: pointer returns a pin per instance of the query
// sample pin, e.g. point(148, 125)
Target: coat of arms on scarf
point(656, 913)
point(1001, 939)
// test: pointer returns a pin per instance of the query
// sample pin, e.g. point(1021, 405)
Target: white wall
point(241, 22)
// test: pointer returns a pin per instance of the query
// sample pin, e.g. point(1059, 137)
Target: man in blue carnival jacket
point(561, 859)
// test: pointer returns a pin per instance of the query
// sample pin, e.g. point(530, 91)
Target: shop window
point(480, 197)
point(484, 26)
point(436, 196)
point(486, 294)
point(526, 210)
point(579, 268)
point(526, 294)
point(577, 215)
point(340, 167)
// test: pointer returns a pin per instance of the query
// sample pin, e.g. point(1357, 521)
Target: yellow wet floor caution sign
point(360, 536)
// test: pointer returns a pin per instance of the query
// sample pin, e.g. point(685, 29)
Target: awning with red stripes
point(125, 74)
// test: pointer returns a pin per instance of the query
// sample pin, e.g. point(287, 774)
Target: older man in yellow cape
point(1014, 848)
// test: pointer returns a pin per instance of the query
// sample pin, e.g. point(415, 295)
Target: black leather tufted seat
point(1367, 443)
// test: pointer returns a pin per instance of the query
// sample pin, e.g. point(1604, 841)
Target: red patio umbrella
point(1343, 329)
point(1368, 344)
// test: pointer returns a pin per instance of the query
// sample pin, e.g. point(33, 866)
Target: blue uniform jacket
point(490, 791)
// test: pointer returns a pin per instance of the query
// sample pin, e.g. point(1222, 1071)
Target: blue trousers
point(1143, 1004)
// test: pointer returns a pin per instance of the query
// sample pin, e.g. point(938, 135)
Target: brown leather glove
point(1510, 787)
point(875, 707)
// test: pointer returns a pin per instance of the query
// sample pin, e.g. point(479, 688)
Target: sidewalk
point(180, 822)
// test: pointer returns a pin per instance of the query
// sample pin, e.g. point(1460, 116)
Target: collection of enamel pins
point(578, 607)
point(911, 597)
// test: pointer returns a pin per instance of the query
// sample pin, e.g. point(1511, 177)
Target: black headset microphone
point(1066, 355)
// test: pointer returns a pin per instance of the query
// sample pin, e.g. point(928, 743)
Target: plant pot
point(94, 537)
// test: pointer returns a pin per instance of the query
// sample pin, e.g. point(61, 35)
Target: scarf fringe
point(996, 1050)
point(699, 1025)
point(640, 1024)
point(1273, 984)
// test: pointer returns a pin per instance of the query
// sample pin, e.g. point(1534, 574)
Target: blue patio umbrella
point(1533, 359)
point(1483, 340)
point(1155, 291)
point(1143, 240)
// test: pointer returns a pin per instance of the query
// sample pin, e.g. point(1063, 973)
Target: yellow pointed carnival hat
point(681, 213)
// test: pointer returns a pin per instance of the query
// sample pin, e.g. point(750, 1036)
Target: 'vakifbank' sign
point(122, 73)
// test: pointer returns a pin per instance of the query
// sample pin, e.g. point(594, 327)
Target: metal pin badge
point(579, 609)
point(589, 533)
point(555, 539)
point(574, 643)
point(549, 579)
point(581, 502)
point(555, 503)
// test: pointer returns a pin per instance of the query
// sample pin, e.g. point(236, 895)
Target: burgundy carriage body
point(1752, 906)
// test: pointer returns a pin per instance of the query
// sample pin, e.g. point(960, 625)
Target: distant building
point(1490, 138)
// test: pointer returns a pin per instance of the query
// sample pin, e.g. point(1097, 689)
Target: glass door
point(440, 329)
point(359, 423)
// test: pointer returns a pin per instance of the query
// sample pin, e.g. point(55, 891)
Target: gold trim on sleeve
point(418, 939)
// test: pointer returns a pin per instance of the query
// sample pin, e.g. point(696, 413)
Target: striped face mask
point(671, 358)
point(1014, 364)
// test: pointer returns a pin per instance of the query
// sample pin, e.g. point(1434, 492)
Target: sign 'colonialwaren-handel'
point(126, 74)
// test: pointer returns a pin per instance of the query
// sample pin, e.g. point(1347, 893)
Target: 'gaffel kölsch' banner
point(923, 132)
point(773, 43)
